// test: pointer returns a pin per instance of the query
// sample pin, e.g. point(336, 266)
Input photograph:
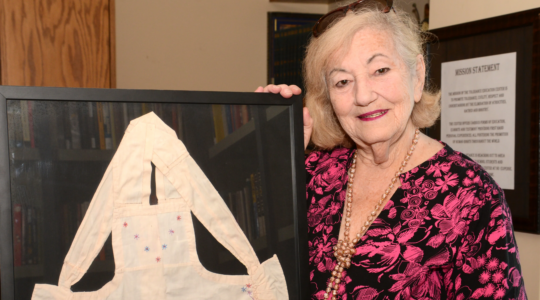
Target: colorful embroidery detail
point(171, 231)
point(125, 224)
point(178, 218)
point(247, 288)
point(146, 249)
point(164, 247)
point(158, 259)
point(136, 237)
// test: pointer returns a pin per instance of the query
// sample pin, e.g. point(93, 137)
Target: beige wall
point(445, 13)
point(217, 45)
point(528, 245)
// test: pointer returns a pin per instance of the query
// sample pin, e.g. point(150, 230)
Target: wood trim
point(3, 56)
point(112, 39)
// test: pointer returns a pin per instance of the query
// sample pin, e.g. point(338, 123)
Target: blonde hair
point(321, 51)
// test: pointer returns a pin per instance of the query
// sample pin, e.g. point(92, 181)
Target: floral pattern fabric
point(446, 233)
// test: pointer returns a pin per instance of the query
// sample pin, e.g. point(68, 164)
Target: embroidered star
point(171, 231)
point(244, 289)
point(178, 218)
point(136, 236)
point(146, 249)
point(158, 259)
point(248, 285)
point(125, 224)
point(164, 246)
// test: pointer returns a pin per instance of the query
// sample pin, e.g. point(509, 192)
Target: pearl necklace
point(345, 248)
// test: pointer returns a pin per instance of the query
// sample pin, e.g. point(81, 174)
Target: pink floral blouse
point(446, 233)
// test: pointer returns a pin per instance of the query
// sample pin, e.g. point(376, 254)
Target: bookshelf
point(288, 35)
point(57, 161)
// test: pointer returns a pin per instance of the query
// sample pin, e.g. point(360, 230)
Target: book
point(257, 194)
point(17, 235)
point(93, 132)
point(125, 115)
point(118, 122)
point(219, 128)
point(85, 127)
point(66, 125)
point(248, 208)
point(113, 126)
point(180, 123)
point(25, 123)
point(74, 126)
point(252, 206)
point(29, 236)
point(107, 126)
point(31, 124)
point(15, 135)
point(101, 126)
point(245, 114)
point(58, 124)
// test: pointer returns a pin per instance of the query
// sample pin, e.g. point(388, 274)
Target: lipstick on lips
point(373, 115)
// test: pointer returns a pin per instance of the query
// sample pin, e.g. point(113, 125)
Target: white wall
point(195, 45)
point(445, 13)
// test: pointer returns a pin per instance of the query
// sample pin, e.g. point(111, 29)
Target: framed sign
point(476, 51)
point(56, 143)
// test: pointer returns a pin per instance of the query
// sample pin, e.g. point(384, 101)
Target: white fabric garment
point(154, 245)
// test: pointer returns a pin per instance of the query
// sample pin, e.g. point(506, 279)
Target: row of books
point(228, 118)
point(26, 232)
point(248, 207)
point(72, 215)
point(80, 125)
point(289, 50)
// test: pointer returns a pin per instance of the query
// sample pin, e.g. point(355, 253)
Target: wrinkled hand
point(286, 91)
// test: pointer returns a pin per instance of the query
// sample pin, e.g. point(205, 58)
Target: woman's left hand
point(286, 91)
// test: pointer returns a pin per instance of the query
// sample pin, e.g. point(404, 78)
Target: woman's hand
point(286, 91)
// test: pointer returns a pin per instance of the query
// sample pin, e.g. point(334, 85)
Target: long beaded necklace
point(345, 248)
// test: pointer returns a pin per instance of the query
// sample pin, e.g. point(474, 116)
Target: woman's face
point(371, 90)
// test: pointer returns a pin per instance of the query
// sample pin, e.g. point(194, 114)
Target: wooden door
point(62, 43)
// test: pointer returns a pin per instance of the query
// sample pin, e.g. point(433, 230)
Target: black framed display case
point(56, 143)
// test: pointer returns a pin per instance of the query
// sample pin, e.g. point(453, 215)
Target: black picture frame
point(291, 114)
point(520, 33)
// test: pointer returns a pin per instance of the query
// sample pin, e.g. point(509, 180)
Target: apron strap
point(147, 166)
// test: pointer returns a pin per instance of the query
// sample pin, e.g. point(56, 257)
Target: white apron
point(154, 246)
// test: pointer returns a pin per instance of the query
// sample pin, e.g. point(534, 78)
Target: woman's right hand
point(286, 91)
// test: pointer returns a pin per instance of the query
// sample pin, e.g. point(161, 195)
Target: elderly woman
point(392, 213)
